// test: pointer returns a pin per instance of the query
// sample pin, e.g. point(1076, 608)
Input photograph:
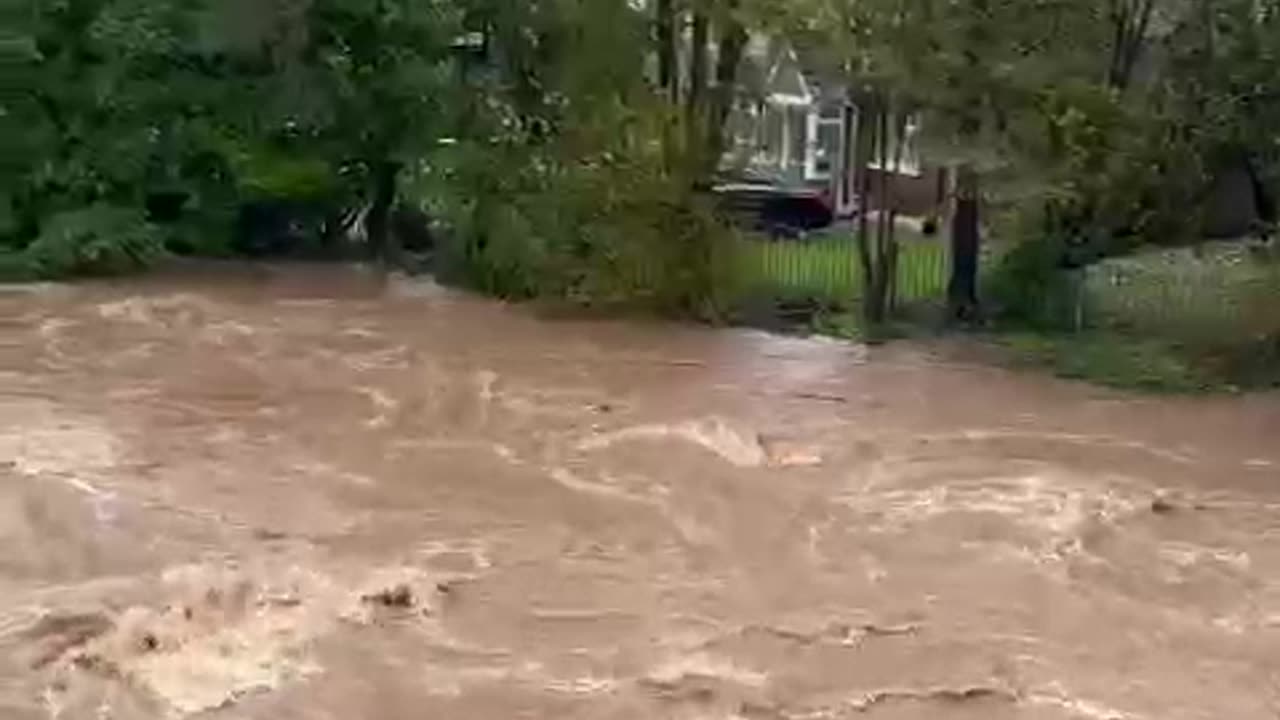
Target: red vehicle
point(768, 204)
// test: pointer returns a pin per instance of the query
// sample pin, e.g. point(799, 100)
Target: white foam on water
point(40, 438)
point(583, 686)
point(1058, 506)
point(714, 434)
point(1057, 697)
point(182, 308)
point(216, 633)
point(1065, 438)
point(419, 287)
point(601, 489)
point(704, 665)
point(1189, 555)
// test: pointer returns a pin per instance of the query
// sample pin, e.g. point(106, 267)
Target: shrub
point(97, 240)
point(606, 230)
point(1029, 287)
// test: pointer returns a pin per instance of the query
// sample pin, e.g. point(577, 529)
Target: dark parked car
point(766, 203)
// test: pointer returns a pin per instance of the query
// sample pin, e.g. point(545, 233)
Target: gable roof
point(786, 76)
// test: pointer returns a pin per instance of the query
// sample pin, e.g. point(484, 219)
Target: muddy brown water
point(299, 493)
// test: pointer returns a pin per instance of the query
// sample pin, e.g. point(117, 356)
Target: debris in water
point(781, 452)
point(400, 596)
point(822, 397)
point(1163, 506)
point(838, 633)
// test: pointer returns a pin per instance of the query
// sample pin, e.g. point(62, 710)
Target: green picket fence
point(828, 268)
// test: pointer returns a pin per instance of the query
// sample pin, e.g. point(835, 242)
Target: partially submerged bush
point(96, 240)
point(15, 268)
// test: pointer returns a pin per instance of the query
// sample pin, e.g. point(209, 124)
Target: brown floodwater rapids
point(287, 493)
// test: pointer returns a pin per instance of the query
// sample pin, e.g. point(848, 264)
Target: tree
point(732, 43)
point(100, 106)
point(966, 226)
point(991, 80)
point(383, 67)
point(115, 101)
point(701, 92)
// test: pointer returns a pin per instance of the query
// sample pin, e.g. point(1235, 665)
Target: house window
point(826, 148)
point(771, 152)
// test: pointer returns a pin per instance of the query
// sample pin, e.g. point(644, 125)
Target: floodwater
point(300, 493)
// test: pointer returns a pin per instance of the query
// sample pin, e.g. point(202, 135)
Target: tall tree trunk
point(666, 41)
point(899, 149)
point(732, 43)
point(966, 234)
point(1131, 22)
point(1263, 199)
point(699, 36)
point(966, 244)
point(873, 242)
point(695, 113)
point(880, 285)
point(668, 78)
point(864, 137)
point(382, 244)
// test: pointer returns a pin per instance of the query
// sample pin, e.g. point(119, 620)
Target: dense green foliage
point(99, 239)
point(184, 111)
point(205, 120)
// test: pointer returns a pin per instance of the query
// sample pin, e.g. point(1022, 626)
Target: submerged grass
point(1116, 360)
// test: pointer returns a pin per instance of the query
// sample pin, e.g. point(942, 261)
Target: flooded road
point(297, 494)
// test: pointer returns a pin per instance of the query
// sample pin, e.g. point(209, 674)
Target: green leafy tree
point(570, 179)
point(119, 102)
point(361, 83)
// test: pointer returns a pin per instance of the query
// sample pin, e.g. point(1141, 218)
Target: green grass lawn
point(826, 267)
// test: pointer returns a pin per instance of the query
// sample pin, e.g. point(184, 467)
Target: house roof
point(786, 76)
point(788, 71)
